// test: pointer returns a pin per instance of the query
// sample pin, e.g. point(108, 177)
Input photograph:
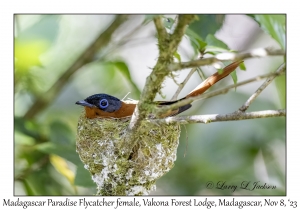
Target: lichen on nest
point(116, 171)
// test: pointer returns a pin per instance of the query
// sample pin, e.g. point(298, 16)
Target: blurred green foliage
point(46, 162)
point(274, 25)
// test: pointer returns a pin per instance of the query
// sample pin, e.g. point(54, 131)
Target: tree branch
point(167, 46)
point(161, 30)
point(221, 117)
point(183, 22)
point(261, 88)
point(228, 56)
point(43, 101)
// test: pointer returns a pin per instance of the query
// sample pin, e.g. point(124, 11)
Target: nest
point(101, 144)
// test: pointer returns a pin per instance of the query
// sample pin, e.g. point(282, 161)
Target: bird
point(107, 106)
point(124, 165)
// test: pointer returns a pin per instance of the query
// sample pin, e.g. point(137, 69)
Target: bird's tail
point(213, 79)
point(210, 81)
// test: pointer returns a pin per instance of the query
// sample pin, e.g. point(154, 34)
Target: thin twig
point(87, 56)
point(211, 94)
point(181, 85)
point(261, 88)
point(200, 73)
point(183, 22)
point(228, 56)
point(220, 117)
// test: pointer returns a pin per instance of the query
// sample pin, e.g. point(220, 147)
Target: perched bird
point(129, 166)
point(107, 106)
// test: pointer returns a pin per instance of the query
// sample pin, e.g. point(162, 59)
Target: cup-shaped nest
point(103, 148)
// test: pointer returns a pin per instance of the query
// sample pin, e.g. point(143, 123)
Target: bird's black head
point(104, 102)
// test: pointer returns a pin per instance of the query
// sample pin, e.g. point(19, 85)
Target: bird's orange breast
point(126, 110)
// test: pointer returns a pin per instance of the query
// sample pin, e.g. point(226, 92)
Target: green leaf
point(60, 133)
point(207, 24)
point(191, 34)
point(67, 152)
point(83, 177)
point(27, 127)
point(214, 50)
point(28, 154)
point(204, 26)
point(41, 182)
point(168, 22)
point(21, 138)
point(234, 77)
point(123, 69)
point(232, 74)
point(202, 45)
point(28, 189)
point(212, 41)
point(253, 17)
point(61, 166)
point(273, 25)
point(242, 66)
point(281, 89)
point(176, 55)
point(195, 39)
point(195, 45)
point(148, 19)
point(211, 52)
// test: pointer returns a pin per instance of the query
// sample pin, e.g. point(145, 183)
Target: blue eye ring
point(103, 103)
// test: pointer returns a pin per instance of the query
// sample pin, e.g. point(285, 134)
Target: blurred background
point(60, 59)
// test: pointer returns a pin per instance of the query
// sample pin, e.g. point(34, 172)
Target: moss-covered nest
point(118, 171)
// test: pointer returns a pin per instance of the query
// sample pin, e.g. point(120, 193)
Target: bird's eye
point(103, 103)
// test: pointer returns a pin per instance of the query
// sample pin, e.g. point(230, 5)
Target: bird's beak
point(84, 103)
